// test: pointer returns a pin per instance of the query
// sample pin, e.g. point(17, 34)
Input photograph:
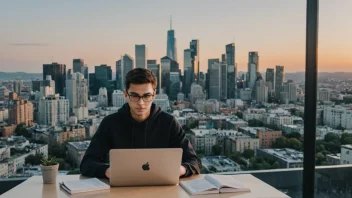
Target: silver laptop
point(145, 167)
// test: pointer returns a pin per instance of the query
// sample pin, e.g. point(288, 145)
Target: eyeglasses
point(136, 98)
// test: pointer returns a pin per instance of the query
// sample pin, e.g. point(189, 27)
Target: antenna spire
point(170, 22)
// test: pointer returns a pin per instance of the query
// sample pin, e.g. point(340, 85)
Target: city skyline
point(34, 35)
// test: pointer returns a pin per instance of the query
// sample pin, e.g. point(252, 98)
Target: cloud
point(29, 44)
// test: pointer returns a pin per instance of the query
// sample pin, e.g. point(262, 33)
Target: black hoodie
point(121, 131)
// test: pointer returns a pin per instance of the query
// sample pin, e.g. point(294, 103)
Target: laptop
point(145, 167)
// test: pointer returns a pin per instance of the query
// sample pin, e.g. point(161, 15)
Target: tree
point(276, 165)
point(280, 142)
point(22, 131)
point(346, 138)
point(34, 159)
point(294, 135)
point(294, 144)
point(331, 137)
point(216, 149)
point(74, 172)
point(320, 159)
point(236, 156)
point(248, 153)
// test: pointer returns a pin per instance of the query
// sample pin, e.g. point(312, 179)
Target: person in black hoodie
point(138, 124)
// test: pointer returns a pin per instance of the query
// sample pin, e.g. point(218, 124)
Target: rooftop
point(286, 154)
point(83, 145)
point(347, 146)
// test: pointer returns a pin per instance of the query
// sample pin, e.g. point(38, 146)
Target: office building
point(78, 65)
point(171, 50)
point(253, 68)
point(188, 71)
point(76, 151)
point(155, 68)
point(141, 53)
point(279, 80)
point(118, 98)
point(261, 91)
point(162, 100)
point(53, 110)
point(77, 92)
point(338, 116)
point(291, 89)
point(17, 86)
point(224, 81)
point(231, 70)
point(323, 95)
point(214, 79)
point(127, 64)
point(58, 74)
point(194, 47)
point(175, 86)
point(103, 97)
point(270, 78)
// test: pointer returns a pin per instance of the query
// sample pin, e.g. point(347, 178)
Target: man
point(138, 124)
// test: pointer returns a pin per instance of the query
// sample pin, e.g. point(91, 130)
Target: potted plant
point(49, 167)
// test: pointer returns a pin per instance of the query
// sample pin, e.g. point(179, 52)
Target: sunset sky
point(36, 32)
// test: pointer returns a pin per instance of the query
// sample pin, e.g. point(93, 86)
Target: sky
point(37, 32)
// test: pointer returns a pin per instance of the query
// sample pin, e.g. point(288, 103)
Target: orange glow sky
point(34, 33)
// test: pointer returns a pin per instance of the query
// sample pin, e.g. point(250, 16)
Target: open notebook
point(212, 184)
point(84, 185)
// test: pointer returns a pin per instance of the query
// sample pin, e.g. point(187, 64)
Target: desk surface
point(34, 187)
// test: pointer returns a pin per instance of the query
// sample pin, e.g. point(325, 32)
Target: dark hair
point(140, 76)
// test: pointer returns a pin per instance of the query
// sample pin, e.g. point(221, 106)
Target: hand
point(182, 170)
point(107, 173)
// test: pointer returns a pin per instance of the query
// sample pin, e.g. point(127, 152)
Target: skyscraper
point(253, 68)
point(103, 74)
point(269, 78)
point(291, 89)
point(78, 65)
point(58, 74)
point(261, 91)
point(17, 86)
point(20, 111)
point(77, 91)
point(279, 80)
point(224, 81)
point(155, 68)
point(53, 110)
point(171, 50)
point(231, 70)
point(118, 74)
point(126, 66)
point(174, 85)
point(141, 53)
point(85, 71)
point(194, 47)
point(187, 71)
point(165, 64)
point(214, 79)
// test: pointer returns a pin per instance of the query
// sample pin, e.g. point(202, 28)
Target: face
point(140, 107)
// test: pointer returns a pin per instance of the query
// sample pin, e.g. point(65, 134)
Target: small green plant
point(49, 161)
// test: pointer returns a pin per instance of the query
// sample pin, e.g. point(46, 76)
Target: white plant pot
point(49, 173)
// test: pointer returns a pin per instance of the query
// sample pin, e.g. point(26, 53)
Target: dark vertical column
point(310, 99)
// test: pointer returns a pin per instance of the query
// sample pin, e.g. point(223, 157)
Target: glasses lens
point(147, 98)
point(134, 98)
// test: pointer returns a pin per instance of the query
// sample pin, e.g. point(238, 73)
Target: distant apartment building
point(76, 151)
point(20, 111)
point(323, 95)
point(338, 116)
point(7, 131)
point(118, 98)
point(279, 121)
point(253, 114)
point(267, 137)
point(59, 135)
point(244, 142)
point(234, 124)
point(53, 110)
point(287, 158)
point(207, 106)
point(346, 154)
point(4, 169)
point(162, 100)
